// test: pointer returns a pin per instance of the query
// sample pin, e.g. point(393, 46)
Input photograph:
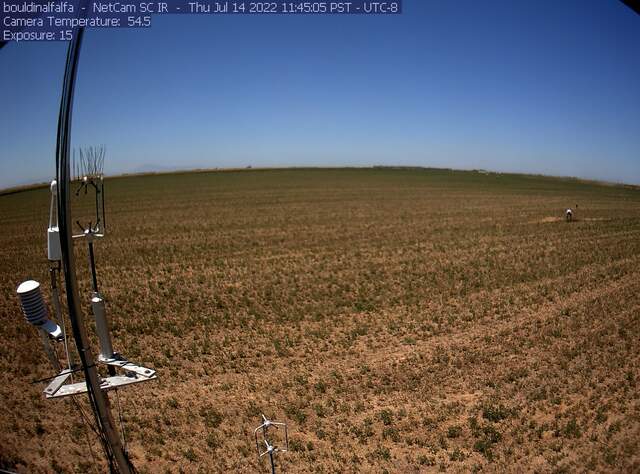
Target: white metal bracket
point(133, 374)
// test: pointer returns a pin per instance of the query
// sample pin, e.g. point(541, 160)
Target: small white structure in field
point(568, 215)
point(269, 447)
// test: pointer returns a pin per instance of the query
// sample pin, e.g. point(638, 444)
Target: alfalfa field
point(398, 320)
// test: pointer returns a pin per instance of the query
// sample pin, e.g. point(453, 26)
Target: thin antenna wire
point(124, 433)
point(55, 275)
point(89, 162)
point(86, 436)
point(85, 420)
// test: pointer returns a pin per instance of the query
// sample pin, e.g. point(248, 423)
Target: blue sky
point(544, 87)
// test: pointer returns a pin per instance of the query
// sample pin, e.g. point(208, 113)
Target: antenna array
point(89, 164)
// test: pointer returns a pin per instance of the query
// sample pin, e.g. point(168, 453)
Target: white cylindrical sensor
point(54, 251)
point(102, 327)
point(34, 308)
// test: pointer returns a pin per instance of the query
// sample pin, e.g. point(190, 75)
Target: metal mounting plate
point(129, 367)
point(108, 383)
point(55, 385)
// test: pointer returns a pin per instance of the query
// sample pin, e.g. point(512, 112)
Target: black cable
point(92, 264)
point(62, 171)
point(66, 243)
point(124, 434)
point(633, 4)
point(104, 216)
point(46, 379)
point(85, 418)
point(90, 445)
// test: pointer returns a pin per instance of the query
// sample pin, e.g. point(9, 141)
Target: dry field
point(398, 321)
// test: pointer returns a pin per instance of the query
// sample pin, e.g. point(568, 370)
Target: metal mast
point(117, 458)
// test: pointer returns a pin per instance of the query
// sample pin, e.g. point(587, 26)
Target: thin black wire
point(84, 418)
point(62, 175)
point(104, 216)
point(75, 402)
point(86, 422)
point(62, 155)
point(124, 433)
point(78, 369)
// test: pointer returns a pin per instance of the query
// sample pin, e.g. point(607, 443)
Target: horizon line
point(41, 184)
